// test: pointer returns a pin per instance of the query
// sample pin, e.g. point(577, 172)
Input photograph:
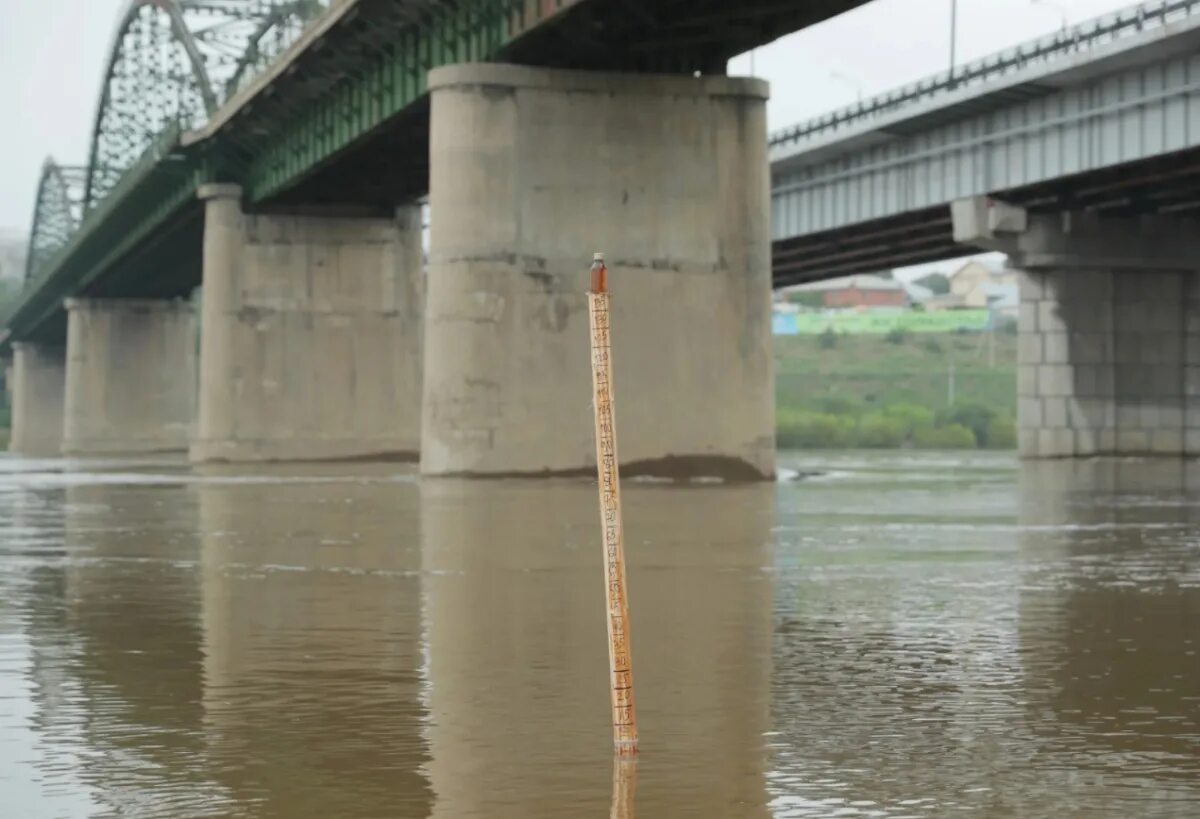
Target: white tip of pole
point(597, 257)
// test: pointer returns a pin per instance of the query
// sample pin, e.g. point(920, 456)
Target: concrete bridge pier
point(130, 376)
point(1109, 346)
point(310, 335)
point(532, 170)
point(38, 378)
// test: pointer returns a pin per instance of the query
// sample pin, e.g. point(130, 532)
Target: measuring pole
point(620, 661)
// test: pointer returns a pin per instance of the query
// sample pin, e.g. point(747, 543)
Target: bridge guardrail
point(1090, 34)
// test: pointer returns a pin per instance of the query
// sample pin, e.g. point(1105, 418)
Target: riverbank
point(921, 391)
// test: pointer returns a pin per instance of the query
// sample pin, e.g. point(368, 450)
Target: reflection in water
point(310, 614)
point(514, 611)
point(1110, 601)
point(938, 633)
point(895, 638)
point(624, 795)
point(130, 600)
point(901, 635)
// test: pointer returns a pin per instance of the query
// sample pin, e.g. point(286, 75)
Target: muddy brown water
point(897, 635)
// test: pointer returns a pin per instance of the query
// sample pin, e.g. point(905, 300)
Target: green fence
point(850, 323)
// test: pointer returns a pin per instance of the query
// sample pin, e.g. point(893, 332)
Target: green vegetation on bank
point(894, 391)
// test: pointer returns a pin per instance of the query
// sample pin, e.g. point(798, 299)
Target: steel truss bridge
point(311, 104)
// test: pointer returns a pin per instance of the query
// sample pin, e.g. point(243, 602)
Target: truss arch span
point(172, 64)
point(57, 212)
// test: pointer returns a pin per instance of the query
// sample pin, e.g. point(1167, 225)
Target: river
point(886, 635)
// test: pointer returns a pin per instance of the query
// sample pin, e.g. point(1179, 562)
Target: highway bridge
point(1101, 117)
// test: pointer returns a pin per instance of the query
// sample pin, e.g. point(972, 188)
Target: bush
point(952, 436)
point(975, 417)
point(800, 429)
point(910, 416)
point(1001, 433)
point(881, 431)
point(838, 405)
point(896, 336)
point(932, 345)
point(939, 283)
point(828, 339)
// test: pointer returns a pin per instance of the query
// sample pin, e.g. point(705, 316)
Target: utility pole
point(992, 340)
point(953, 36)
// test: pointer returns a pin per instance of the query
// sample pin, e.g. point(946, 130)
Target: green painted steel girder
point(386, 73)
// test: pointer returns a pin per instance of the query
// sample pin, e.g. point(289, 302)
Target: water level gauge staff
point(620, 660)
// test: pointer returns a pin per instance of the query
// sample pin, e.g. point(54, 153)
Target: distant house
point(862, 291)
point(945, 301)
point(973, 283)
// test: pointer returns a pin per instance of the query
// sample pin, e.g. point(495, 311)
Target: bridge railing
point(1093, 33)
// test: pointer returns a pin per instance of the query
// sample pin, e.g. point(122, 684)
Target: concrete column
point(38, 376)
point(1109, 346)
point(310, 335)
point(531, 171)
point(131, 376)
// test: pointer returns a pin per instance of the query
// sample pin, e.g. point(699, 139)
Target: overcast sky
point(52, 53)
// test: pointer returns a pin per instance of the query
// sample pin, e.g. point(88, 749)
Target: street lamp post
point(954, 35)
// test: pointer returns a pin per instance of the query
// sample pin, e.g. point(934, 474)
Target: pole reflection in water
point(624, 796)
point(515, 632)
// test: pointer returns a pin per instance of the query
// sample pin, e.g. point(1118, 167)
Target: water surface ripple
point(892, 635)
